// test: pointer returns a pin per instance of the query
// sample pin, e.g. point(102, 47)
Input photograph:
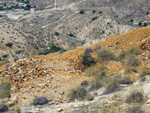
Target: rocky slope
point(61, 22)
point(54, 75)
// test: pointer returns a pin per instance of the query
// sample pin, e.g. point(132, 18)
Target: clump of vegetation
point(94, 11)
point(85, 83)
point(71, 35)
point(56, 33)
point(18, 110)
point(131, 20)
point(130, 69)
point(5, 88)
point(135, 96)
point(135, 109)
point(53, 48)
point(122, 56)
point(10, 44)
point(132, 61)
point(145, 24)
point(144, 73)
point(140, 24)
point(5, 56)
point(105, 55)
point(87, 60)
point(77, 93)
point(94, 18)
point(89, 97)
point(147, 13)
point(81, 12)
point(100, 12)
point(113, 85)
point(133, 51)
point(94, 70)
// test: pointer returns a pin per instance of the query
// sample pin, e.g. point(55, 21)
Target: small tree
point(94, 11)
point(87, 60)
point(140, 24)
point(131, 20)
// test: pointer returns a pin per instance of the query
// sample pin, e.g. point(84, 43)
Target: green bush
point(140, 24)
point(122, 56)
point(100, 12)
point(133, 51)
point(93, 11)
point(5, 56)
point(131, 20)
point(71, 35)
point(145, 24)
point(113, 85)
point(87, 60)
point(147, 13)
point(89, 97)
point(9, 44)
point(135, 97)
point(81, 12)
point(94, 18)
point(78, 93)
point(132, 61)
point(56, 33)
point(52, 49)
point(105, 55)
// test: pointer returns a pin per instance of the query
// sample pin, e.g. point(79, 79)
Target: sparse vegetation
point(132, 61)
point(130, 69)
point(135, 96)
point(94, 70)
point(77, 93)
point(53, 48)
point(133, 51)
point(113, 85)
point(135, 109)
point(105, 55)
point(89, 97)
point(144, 73)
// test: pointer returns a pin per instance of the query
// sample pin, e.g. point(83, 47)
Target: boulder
point(40, 101)
point(3, 108)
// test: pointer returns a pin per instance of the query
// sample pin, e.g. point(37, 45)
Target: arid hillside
point(68, 24)
point(103, 73)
